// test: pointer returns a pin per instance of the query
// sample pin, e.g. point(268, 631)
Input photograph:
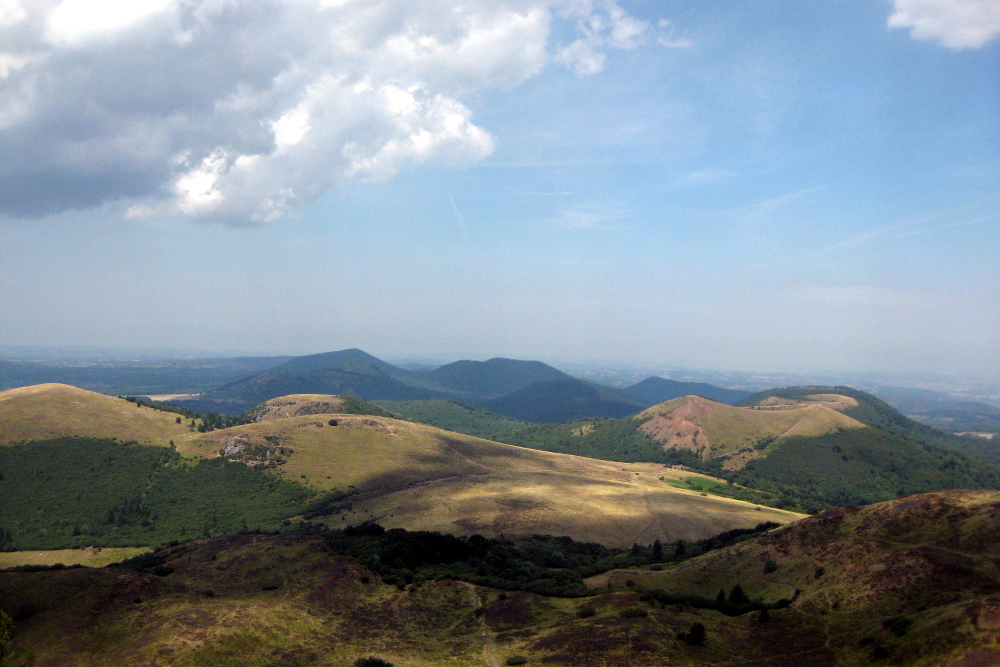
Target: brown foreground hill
point(912, 581)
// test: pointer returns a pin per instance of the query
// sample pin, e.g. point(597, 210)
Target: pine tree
point(696, 636)
point(737, 597)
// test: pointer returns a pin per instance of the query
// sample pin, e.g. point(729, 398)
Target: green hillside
point(563, 400)
point(493, 378)
point(802, 456)
point(75, 492)
point(366, 382)
point(458, 417)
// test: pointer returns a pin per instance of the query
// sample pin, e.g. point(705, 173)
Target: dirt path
point(799, 421)
point(487, 635)
point(395, 602)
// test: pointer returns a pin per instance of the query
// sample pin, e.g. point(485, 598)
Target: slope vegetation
point(49, 411)
point(875, 412)
point(912, 580)
point(563, 400)
point(458, 417)
point(714, 430)
point(803, 454)
point(406, 474)
point(494, 377)
point(297, 405)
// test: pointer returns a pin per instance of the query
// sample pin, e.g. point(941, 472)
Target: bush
point(696, 636)
point(634, 612)
point(586, 612)
point(371, 661)
point(516, 660)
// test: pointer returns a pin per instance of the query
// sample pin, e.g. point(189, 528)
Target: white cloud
point(243, 111)
point(958, 24)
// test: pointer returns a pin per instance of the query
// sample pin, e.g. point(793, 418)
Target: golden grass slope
point(420, 477)
point(48, 411)
point(717, 430)
point(89, 557)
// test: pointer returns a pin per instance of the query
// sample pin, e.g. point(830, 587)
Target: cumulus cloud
point(244, 111)
point(958, 24)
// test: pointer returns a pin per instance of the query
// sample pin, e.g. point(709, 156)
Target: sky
point(768, 185)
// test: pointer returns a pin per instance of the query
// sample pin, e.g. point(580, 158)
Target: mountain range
point(527, 390)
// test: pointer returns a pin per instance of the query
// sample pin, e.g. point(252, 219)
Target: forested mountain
point(495, 377)
point(563, 400)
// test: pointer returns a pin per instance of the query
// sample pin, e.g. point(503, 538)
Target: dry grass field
point(45, 411)
point(92, 557)
point(421, 477)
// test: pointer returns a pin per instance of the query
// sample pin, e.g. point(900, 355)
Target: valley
point(407, 519)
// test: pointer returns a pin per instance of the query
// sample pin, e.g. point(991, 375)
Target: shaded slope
point(563, 400)
point(458, 417)
point(657, 390)
point(78, 492)
point(918, 576)
point(338, 360)
point(494, 377)
point(56, 410)
point(911, 583)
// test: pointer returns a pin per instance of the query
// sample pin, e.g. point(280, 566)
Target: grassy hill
point(875, 412)
point(69, 492)
point(297, 405)
point(562, 400)
point(406, 474)
point(808, 455)
point(493, 378)
point(78, 492)
point(46, 411)
point(908, 581)
point(458, 417)
point(911, 582)
point(657, 390)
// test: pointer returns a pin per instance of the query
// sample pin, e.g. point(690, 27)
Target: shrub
point(634, 612)
point(586, 612)
point(696, 636)
point(516, 660)
point(371, 661)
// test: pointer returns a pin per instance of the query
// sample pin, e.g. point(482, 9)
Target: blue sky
point(775, 186)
